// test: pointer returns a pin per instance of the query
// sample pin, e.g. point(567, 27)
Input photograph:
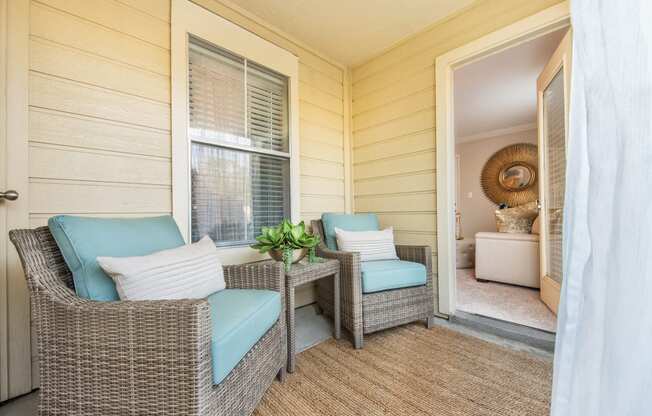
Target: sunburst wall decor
point(510, 175)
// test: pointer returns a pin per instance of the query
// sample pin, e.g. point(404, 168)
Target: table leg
point(336, 306)
point(290, 328)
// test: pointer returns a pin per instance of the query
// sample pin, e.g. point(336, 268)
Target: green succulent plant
point(286, 237)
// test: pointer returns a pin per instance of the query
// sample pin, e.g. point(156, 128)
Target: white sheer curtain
point(603, 359)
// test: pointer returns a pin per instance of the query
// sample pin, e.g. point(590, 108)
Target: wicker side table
point(304, 272)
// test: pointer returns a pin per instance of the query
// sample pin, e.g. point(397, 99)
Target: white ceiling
point(351, 31)
point(499, 92)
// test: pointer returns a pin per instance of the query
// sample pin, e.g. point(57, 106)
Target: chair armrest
point(350, 266)
point(60, 296)
point(350, 287)
point(265, 275)
point(107, 344)
point(129, 319)
point(344, 257)
point(417, 254)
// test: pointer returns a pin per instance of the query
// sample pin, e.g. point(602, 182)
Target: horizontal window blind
point(266, 105)
point(217, 105)
point(240, 162)
point(554, 119)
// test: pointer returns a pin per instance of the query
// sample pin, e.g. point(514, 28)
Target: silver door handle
point(9, 195)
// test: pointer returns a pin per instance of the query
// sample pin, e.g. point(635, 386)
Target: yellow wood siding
point(393, 119)
point(99, 112)
point(99, 132)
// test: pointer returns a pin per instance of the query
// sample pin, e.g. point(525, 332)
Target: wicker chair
point(139, 357)
point(366, 313)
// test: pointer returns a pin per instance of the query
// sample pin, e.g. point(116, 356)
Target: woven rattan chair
point(139, 357)
point(366, 313)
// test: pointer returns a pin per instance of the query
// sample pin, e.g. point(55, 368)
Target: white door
point(553, 88)
point(15, 346)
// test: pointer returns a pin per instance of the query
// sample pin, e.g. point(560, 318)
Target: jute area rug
point(411, 370)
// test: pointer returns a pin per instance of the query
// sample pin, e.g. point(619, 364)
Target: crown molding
point(496, 133)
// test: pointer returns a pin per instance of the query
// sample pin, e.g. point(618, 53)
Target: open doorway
point(497, 184)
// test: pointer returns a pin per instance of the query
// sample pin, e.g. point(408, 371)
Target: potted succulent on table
point(287, 242)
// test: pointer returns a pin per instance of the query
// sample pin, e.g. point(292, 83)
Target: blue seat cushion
point(83, 239)
point(239, 318)
point(382, 275)
point(348, 222)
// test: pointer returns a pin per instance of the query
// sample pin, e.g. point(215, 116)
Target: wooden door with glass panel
point(553, 86)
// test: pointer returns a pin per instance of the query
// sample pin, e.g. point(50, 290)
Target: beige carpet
point(511, 303)
point(413, 371)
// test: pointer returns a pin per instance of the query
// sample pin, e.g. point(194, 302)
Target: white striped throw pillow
point(188, 272)
point(372, 245)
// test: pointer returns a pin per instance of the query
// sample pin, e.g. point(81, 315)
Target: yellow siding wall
point(100, 110)
point(393, 122)
point(99, 133)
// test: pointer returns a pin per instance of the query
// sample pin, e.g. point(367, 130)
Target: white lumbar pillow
point(372, 245)
point(187, 272)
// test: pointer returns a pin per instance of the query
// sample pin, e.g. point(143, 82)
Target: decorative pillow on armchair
point(372, 245)
point(192, 271)
point(517, 220)
point(83, 239)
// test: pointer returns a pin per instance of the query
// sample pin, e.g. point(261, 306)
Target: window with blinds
point(240, 160)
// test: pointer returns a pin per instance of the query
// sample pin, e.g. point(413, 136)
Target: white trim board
point(349, 197)
point(191, 19)
point(496, 133)
point(539, 24)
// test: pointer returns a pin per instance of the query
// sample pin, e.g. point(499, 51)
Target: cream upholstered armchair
point(379, 294)
point(507, 258)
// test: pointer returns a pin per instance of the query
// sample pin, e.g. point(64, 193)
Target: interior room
point(323, 208)
point(496, 129)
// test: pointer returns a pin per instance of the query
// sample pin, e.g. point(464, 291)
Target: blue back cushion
point(348, 222)
point(82, 239)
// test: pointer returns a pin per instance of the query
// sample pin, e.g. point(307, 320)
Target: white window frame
point(191, 19)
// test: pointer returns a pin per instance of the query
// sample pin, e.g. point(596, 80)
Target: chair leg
point(430, 322)
point(282, 374)
point(358, 341)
